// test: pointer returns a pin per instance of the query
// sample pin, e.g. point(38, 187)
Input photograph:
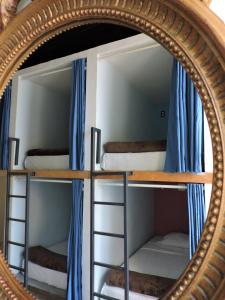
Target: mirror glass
point(144, 105)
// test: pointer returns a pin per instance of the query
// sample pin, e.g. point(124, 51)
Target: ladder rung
point(17, 196)
point(17, 268)
point(108, 266)
point(104, 296)
point(116, 235)
point(16, 244)
point(17, 220)
point(109, 203)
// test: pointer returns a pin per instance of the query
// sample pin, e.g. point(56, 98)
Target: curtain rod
point(147, 185)
point(49, 180)
point(132, 185)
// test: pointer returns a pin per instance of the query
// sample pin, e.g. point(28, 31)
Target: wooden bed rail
point(205, 178)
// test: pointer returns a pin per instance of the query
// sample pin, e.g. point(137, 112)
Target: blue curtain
point(77, 127)
point(5, 106)
point(185, 145)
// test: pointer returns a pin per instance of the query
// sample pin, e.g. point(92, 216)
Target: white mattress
point(153, 258)
point(118, 293)
point(144, 161)
point(51, 277)
point(55, 162)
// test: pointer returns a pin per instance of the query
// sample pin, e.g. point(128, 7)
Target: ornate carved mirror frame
point(196, 37)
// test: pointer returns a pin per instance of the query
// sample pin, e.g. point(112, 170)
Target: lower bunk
point(49, 265)
point(47, 271)
point(154, 268)
point(151, 212)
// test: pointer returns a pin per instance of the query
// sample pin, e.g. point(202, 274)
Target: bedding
point(51, 277)
point(48, 259)
point(48, 265)
point(144, 161)
point(140, 283)
point(175, 239)
point(47, 152)
point(54, 162)
point(118, 293)
point(135, 147)
point(53, 159)
point(154, 258)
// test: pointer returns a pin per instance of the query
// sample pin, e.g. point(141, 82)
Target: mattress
point(144, 161)
point(154, 258)
point(54, 162)
point(118, 293)
point(135, 147)
point(51, 277)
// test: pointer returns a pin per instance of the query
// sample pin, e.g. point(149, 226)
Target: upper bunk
point(128, 88)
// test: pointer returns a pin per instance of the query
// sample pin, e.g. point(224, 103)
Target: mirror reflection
point(118, 104)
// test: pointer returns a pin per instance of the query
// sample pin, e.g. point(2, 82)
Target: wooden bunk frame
point(132, 176)
point(140, 176)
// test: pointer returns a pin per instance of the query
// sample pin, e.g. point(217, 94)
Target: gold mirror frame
point(196, 37)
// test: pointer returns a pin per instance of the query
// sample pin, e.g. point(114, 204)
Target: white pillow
point(176, 239)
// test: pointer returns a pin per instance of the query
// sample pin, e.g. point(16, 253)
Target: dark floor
point(42, 295)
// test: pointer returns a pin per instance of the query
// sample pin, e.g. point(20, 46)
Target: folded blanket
point(46, 152)
point(141, 283)
point(47, 259)
point(135, 147)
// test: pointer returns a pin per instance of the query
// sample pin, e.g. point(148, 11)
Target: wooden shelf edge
point(3, 173)
point(56, 174)
point(205, 178)
point(62, 174)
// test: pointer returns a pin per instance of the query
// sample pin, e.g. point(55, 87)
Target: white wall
point(218, 7)
point(50, 207)
point(124, 113)
point(40, 117)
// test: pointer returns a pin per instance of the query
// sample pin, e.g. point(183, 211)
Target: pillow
point(176, 239)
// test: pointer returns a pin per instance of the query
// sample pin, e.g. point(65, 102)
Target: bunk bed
point(148, 156)
point(154, 268)
point(53, 159)
point(167, 256)
point(49, 265)
point(184, 154)
point(135, 163)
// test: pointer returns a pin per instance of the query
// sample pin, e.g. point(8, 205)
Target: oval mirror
point(133, 103)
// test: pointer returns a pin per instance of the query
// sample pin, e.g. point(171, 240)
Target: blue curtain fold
point(5, 121)
point(196, 213)
point(185, 145)
point(77, 128)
